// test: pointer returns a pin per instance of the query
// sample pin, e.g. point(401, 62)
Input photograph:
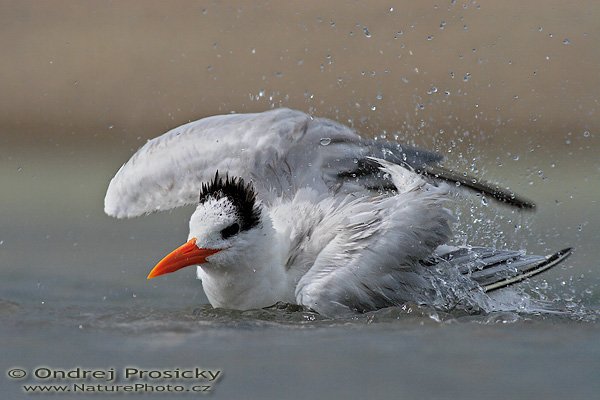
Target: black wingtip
point(499, 194)
point(550, 262)
point(514, 200)
point(562, 254)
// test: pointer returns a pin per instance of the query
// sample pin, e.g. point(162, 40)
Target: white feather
point(371, 247)
point(278, 150)
point(325, 238)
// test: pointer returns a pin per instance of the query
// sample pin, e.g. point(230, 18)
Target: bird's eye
point(230, 231)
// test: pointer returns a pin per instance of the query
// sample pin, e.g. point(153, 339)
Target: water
point(277, 354)
point(74, 293)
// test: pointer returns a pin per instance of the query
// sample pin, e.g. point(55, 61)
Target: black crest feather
point(241, 195)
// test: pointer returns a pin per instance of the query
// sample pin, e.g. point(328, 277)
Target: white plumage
point(312, 214)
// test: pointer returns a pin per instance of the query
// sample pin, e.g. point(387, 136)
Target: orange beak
point(183, 256)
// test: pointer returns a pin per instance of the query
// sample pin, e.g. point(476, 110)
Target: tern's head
point(222, 228)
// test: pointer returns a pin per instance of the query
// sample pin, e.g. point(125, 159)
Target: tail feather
point(495, 269)
point(532, 270)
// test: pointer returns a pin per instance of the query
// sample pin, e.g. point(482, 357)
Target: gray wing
point(366, 175)
point(168, 171)
point(280, 151)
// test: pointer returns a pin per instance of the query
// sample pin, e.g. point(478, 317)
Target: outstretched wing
point(279, 151)
point(168, 171)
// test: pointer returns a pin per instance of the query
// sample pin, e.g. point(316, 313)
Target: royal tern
point(296, 209)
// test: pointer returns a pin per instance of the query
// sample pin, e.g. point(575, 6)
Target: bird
point(297, 209)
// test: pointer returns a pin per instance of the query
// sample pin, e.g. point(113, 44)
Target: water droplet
point(516, 157)
point(432, 90)
point(447, 93)
point(467, 77)
point(111, 126)
point(430, 37)
point(442, 25)
point(325, 141)
point(261, 93)
point(586, 133)
point(398, 34)
point(457, 183)
point(373, 108)
point(484, 201)
point(379, 96)
point(566, 41)
point(253, 51)
point(366, 32)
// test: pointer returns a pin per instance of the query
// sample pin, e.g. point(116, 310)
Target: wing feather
point(371, 258)
point(279, 151)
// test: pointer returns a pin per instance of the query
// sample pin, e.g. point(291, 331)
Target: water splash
point(325, 141)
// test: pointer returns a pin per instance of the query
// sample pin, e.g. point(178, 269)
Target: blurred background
point(507, 90)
